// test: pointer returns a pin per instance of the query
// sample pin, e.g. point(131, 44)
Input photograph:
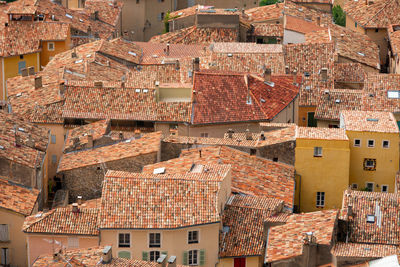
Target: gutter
point(176, 228)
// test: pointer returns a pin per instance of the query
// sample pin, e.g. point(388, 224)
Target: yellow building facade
point(251, 261)
point(322, 163)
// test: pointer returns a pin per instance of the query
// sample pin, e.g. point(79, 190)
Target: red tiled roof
point(17, 198)
point(394, 38)
point(321, 133)
point(96, 129)
point(349, 72)
point(148, 143)
point(268, 29)
point(109, 11)
point(363, 250)
point(245, 216)
point(286, 241)
point(153, 202)
point(225, 97)
point(316, 16)
point(64, 221)
point(264, 13)
point(300, 25)
point(369, 121)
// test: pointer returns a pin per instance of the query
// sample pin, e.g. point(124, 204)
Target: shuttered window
point(4, 233)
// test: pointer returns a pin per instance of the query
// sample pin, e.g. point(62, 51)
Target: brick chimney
point(196, 64)
point(309, 250)
point(24, 72)
point(38, 82)
point(107, 255)
point(267, 75)
point(167, 50)
point(90, 141)
point(31, 71)
point(75, 208)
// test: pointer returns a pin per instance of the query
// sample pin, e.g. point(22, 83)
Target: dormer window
point(370, 218)
point(324, 74)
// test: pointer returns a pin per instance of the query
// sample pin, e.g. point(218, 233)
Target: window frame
point(124, 244)
point(53, 159)
point(7, 232)
point(354, 186)
point(193, 241)
point(193, 257)
point(387, 188)
point(53, 139)
point(366, 166)
point(354, 143)
point(388, 144)
point(318, 152)
point(154, 252)
point(320, 198)
point(373, 185)
point(155, 245)
point(373, 143)
point(48, 46)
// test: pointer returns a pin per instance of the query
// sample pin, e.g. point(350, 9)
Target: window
point(239, 262)
point(371, 143)
point(124, 254)
point(369, 164)
point(5, 257)
point(50, 46)
point(154, 255)
point(324, 74)
point(369, 186)
point(393, 94)
point(21, 56)
point(253, 151)
point(275, 159)
point(385, 144)
point(73, 242)
point(203, 134)
point(155, 240)
point(320, 199)
point(137, 1)
point(124, 240)
point(354, 186)
point(355, 24)
point(161, 16)
point(53, 139)
point(385, 188)
point(311, 121)
point(317, 151)
point(21, 65)
point(54, 159)
point(193, 257)
point(193, 237)
point(357, 142)
point(370, 218)
point(376, 30)
point(4, 233)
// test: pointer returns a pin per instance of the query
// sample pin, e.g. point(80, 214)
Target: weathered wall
point(87, 181)
point(219, 130)
point(205, 20)
point(181, 23)
point(18, 173)
point(292, 37)
point(283, 152)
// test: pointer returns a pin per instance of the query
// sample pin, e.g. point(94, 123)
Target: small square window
point(369, 164)
point(275, 159)
point(317, 151)
point(385, 144)
point(385, 188)
point(124, 240)
point(371, 143)
point(154, 255)
point(203, 134)
point(320, 199)
point(369, 187)
point(50, 46)
point(53, 139)
point(155, 240)
point(354, 186)
point(357, 142)
point(54, 159)
point(253, 151)
point(193, 237)
point(370, 218)
point(21, 56)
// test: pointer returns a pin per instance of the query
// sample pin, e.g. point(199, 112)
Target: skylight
point(132, 53)
point(159, 170)
point(68, 16)
point(372, 119)
point(394, 94)
point(361, 54)
point(370, 218)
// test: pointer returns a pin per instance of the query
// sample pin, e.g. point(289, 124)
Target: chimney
point(94, 15)
point(79, 200)
point(73, 54)
point(75, 141)
point(121, 136)
point(61, 89)
point(230, 133)
point(196, 64)
point(324, 74)
point(249, 135)
point(24, 72)
point(162, 261)
point(267, 75)
point(262, 136)
point(137, 134)
point(90, 141)
point(38, 82)
point(177, 65)
point(309, 250)
point(172, 261)
point(31, 71)
point(167, 50)
point(98, 84)
point(89, 31)
point(107, 255)
point(294, 76)
point(287, 69)
point(319, 21)
point(350, 211)
point(75, 208)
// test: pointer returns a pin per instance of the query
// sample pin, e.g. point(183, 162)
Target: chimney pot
point(79, 200)
point(24, 72)
point(230, 133)
point(249, 136)
point(62, 89)
point(107, 254)
point(75, 208)
point(73, 54)
point(121, 136)
point(31, 71)
point(262, 136)
point(137, 134)
point(38, 82)
point(167, 51)
point(90, 141)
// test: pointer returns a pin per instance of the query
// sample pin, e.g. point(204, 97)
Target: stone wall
point(87, 181)
point(282, 152)
point(17, 173)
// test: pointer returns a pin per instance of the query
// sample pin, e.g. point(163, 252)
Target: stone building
point(83, 171)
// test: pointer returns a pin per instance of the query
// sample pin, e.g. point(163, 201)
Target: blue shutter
point(21, 65)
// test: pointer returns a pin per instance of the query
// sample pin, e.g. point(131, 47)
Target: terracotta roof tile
point(394, 38)
point(349, 72)
point(268, 29)
point(153, 203)
point(245, 216)
point(329, 106)
point(96, 129)
point(64, 221)
point(17, 198)
point(300, 25)
point(264, 13)
point(148, 143)
point(198, 9)
point(286, 241)
point(321, 18)
point(363, 250)
point(371, 121)
point(109, 11)
point(321, 133)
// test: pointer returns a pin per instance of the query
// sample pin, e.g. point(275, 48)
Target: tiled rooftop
point(286, 241)
point(394, 38)
point(301, 25)
point(250, 175)
point(63, 221)
point(349, 72)
point(264, 13)
point(363, 250)
point(373, 14)
point(331, 104)
point(234, 48)
point(147, 143)
point(321, 133)
point(245, 216)
point(240, 97)
point(109, 11)
point(17, 198)
point(145, 199)
point(268, 30)
point(369, 121)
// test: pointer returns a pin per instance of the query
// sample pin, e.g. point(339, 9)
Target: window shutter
point(124, 254)
point(145, 255)
point(185, 258)
point(202, 257)
point(164, 253)
point(4, 232)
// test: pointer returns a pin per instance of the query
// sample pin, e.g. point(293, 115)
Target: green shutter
point(145, 255)
point(124, 254)
point(185, 258)
point(202, 257)
point(164, 253)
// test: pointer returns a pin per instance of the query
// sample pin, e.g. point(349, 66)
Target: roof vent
point(157, 83)
point(2, 147)
point(272, 84)
point(19, 94)
point(326, 91)
point(337, 101)
point(230, 55)
point(370, 218)
point(361, 54)
point(262, 100)
point(307, 74)
point(372, 120)
point(308, 87)
point(68, 15)
point(159, 170)
point(137, 90)
point(21, 129)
